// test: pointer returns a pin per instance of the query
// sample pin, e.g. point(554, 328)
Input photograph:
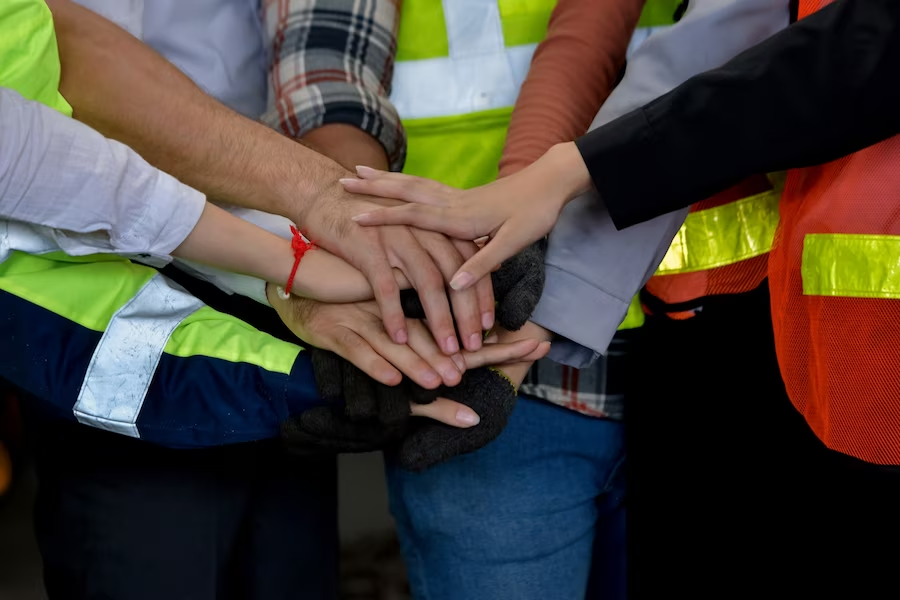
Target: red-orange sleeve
point(573, 71)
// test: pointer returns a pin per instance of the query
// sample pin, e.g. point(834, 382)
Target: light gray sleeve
point(87, 193)
point(593, 270)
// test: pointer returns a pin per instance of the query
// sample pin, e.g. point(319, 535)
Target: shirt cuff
point(332, 102)
point(172, 210)
point(618, 156)
point(590, 323)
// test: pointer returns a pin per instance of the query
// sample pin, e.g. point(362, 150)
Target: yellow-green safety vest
point(459, 67)
point(114, 344)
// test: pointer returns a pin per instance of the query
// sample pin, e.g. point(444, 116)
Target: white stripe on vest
point(122, 367)
point(480, 73)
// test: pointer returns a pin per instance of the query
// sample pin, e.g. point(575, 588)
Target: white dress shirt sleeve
point(93, 194)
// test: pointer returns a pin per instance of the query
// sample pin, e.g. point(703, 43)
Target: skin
point(511, 212)
point(126, 91)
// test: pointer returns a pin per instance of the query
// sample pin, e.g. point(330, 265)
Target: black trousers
point(731, 495)
point(119, 519)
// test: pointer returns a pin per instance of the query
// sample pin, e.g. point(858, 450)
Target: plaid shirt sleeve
point(331, 61)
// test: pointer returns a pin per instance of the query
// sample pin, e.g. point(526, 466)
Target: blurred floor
point(372, 571)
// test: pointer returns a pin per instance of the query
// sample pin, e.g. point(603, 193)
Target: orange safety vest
point(722, 248)
point(835, 286)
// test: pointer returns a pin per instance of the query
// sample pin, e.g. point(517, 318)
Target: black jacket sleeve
point(824, 87)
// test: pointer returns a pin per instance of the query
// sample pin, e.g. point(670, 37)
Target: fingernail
point(400, 337)
point(363, 171)
point(451, 346)
point(449, 375)
point(474, 342)
point(487, 320)
point(361, 217)
point(432, 378)
point(346, 180)
point(467, 417)
point(460, 362)
point(462, 281)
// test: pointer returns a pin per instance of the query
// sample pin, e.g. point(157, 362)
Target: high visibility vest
point(722, 247)
point(459, 68)
point(114, 344)
point(835, 285)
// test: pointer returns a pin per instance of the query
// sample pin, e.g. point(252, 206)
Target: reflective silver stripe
point(440, 87)
point(125, 360)
point(480, 73)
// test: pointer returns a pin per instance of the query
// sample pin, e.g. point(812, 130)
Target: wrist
point(564, 163)
point(302, 180)
point(348, 145)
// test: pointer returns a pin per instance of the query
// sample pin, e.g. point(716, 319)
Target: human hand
point(355, 333)
point(427, 259)
point(492, 393)
point(518, 285)
point(513, 212)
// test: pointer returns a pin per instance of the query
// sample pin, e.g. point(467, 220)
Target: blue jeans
point(522, 517)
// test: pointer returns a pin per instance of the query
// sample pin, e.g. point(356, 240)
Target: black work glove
point(364, 415)
point(416, 443)
point(428, 442)
point(518, 285)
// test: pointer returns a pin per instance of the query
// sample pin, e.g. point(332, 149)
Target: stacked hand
point(512, 212)
point(366, 414)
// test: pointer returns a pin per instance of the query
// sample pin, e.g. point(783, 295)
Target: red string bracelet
point(300, 245)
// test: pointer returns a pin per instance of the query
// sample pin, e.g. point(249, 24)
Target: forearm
point(581, 55)
point(126, 91)
point(591, 263)
point(817, 91)
point(327, 74)
point(348, 145)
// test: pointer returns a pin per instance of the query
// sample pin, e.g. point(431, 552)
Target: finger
point(430, 285)
point(352, 347)
point(496, 354)
point(454, 222)
point(484, 291)
point(402, 282)
point(378, 271)
point(504, 245)
point(401, 357)
point(422, 343)
point(448, 412)
point(540, 352)
point(399, 186)
point(466, 308)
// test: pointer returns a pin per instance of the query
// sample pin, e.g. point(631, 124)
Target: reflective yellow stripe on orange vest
point(851, 265)
point(723, 235)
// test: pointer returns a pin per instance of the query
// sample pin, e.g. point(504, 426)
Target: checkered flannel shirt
point(597, 391)
point(331, 61)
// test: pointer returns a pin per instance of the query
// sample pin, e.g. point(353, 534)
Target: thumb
point(447, 412)
point(499, 249)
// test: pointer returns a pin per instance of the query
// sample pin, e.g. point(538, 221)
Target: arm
point(822, 89)
point(128, 92)
point(329, 83)
point(593, 270)
point(583, 52)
